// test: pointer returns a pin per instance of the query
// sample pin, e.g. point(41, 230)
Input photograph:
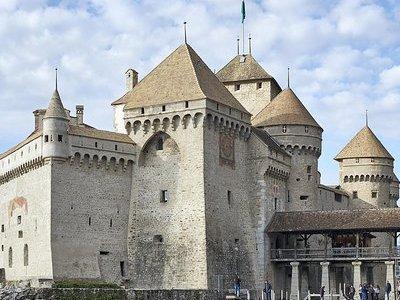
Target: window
point(46, 138)
point(309, 177)
point(284, 128)
point(309, 169)
point(158, 239)
point(186, 104)
point(374, 194)
point(19, 219)
point(357, 160)
point(104, 252)
point(116, 147)
point(303, 197)
point(96, 144)
point(237, 87)
point(110, 223)
point(90, 221)
point(338, 197)
point(20, 234)
point(230, 111)
point(236, 241)
point(306, 129)
point(229, 196)
point(2, 247)
point(217, 106)
point(10, 257)
point(160, 144)
point(122, 268)
point(288, 196)
point(2, 227)
point(60, 138)
point(275, 203)
point(372, 159)
point(26, 255)
point(164, 196)
point(163, 108)
point(355, 195)
point(142, 110)
point(259, 85)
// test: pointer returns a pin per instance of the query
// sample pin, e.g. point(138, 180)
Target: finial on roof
point(366, 117)
point(288, 77)
point(56, 77)
point(184, 30)
point(249, 43)
point(238, 45)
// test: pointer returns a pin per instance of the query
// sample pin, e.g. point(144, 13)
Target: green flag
point(243, 11)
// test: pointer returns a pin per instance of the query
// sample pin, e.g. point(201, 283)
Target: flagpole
point(243, 37)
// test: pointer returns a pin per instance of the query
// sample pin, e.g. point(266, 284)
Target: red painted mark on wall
point(17, 202)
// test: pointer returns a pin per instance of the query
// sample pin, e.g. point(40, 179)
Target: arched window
point(26, 255)
point(10, 258)
point(284, 128)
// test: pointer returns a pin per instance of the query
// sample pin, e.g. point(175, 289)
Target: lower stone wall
point(17, 293)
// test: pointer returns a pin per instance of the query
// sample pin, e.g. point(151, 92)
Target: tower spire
point(288, 77)
point(184, 31)
point(238, 45)
point(249, 43)
point(366, 117)
point(56, 78)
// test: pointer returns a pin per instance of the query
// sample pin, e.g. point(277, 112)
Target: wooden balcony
point(336, 254)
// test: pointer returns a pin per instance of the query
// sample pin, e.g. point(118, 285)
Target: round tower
point(366, 170)
point(287, 120)
point(55, 130)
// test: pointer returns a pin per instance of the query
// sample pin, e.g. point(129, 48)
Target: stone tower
point(249, 82)
point(191, 136)
point(55, 130)
point(366, 170)
point(288, 121)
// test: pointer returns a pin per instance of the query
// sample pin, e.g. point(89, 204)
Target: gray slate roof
point(56, 108)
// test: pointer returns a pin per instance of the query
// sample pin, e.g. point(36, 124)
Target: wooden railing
point(346, 253)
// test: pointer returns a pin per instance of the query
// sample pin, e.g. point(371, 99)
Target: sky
point(344, 57)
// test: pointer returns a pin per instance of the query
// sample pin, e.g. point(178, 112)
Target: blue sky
point(344, 57)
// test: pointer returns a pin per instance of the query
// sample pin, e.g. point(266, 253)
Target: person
point(377, 291)
point(388, 289)
point(351, 292)
point(398, 290)
point(360, 291)
point(267, 290)
point(237, 286)
point(364, 292)
point(322, 292)
point(371, 292)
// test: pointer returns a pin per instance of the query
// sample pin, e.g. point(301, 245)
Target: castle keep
point(206, 176)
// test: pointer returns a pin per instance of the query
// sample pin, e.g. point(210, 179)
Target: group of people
point(267, 291)
point(368, 291)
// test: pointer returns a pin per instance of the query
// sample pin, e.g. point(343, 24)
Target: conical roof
point(55, 108)
point(284, 109)
point(182, 76)
point(365, 144)
point(241, 68)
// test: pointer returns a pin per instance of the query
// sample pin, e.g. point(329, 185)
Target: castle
point(181, 194)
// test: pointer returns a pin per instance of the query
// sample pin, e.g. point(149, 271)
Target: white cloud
point(390, 78)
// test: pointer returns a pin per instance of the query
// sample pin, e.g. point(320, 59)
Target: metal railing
point(344, 253)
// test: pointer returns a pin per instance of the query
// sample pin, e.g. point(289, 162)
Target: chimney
point(39, 113)
point(79, 114)
point(131, 79)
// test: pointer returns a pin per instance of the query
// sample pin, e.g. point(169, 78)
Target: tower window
point(217, 106)
point(122, 268)
point(230, 111)
point(116, 147)
point(104, 252)
point(229, 196)
point(96, 144)
point(309, 169)
point(163, 108)
point(372, 159)
point(46, 138)
point(90, 221)
point(284, 128)
point(237, 87)
point(306, 129)
point(20, 234)
point(303, 197)
point(60, 138)
point(158, 239)
point(19, 219)
point(355, 194)
point(186, 104)
point(111, 223)
point(2, 227)
point(275, 203)
point(374, 194)
point(160, 144)
point(259, 85)
point(142, 110)
point(164, 196)
point(357, 160)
